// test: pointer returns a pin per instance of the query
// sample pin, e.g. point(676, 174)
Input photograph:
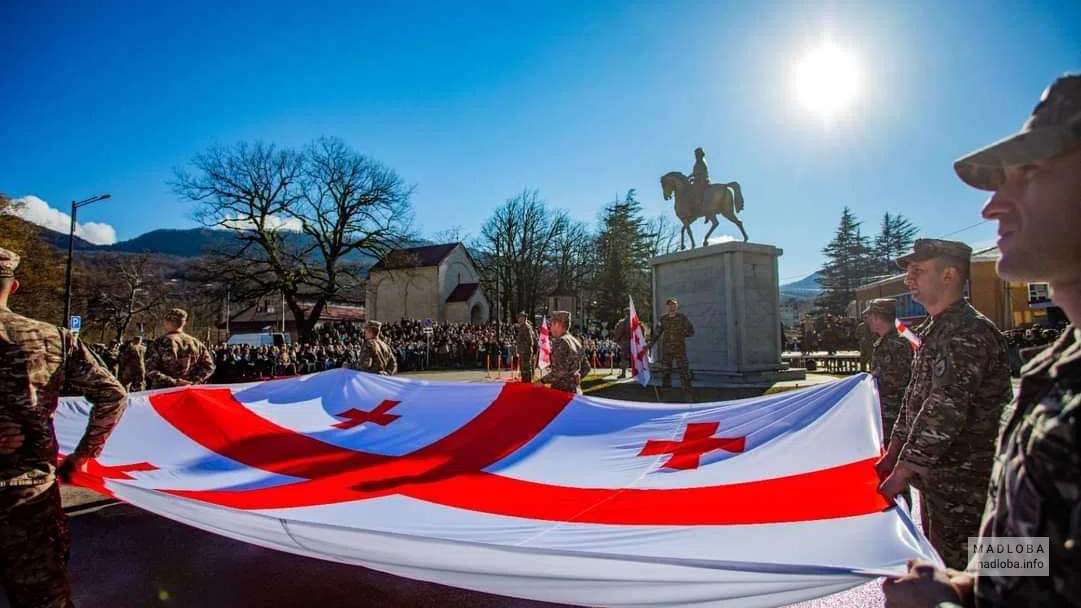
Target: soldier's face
point(558, 328)
point(924, 280)
point(877, 324)
point(672, 306)
point(170, 325)
point(1038, 210)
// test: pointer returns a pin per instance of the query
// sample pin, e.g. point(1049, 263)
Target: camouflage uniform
point(177, 356)
point(867, 340)
point(36, 361)
point(621, 335)
point(133, 367)
point(891, 365)
point(673, 332)
point(526, 341)
point(948, 422)
point(376, 356)
point(569, 361)
point(1035, 486)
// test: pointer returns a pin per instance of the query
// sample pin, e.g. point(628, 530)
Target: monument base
point(730, 294)
point(723, 380)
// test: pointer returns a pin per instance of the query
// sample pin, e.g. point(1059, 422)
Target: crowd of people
point(451, 346)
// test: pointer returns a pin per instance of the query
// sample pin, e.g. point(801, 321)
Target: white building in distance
point(437, 282)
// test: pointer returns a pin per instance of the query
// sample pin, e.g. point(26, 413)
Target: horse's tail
point(738, 195)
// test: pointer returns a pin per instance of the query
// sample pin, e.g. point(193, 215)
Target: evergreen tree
point(894, 240)
point(849, 263)
point(624, 244)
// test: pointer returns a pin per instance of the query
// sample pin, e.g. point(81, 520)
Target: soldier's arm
point(392, 363)
point(86, 376)
point(584, 368)
point(204, 367)
point(153, 368)
point(557, 359)
point(688, 326)
point(943, 415)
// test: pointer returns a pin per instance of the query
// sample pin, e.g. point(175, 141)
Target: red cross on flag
point(639, 349)
point(544, 345)
point(522, 490)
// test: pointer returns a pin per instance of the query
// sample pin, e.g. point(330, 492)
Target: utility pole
point(71, 250)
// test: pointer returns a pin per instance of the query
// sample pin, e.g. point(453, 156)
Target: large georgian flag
point(522, 490)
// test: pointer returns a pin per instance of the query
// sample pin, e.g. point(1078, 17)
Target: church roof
point(463, 292)
point(417, 257)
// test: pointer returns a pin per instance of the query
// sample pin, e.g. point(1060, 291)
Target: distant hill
point(807, 288)
point(186, 243)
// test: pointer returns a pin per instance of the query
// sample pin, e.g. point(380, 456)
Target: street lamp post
point(71, 246)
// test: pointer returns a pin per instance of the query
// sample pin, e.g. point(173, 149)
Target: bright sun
point(826, 81)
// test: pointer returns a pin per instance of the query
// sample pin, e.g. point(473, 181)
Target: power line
point(976, 225)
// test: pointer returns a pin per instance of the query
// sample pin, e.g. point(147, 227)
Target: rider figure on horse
point(699, 177)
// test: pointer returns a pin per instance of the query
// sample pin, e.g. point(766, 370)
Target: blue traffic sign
point(427, 322)
point(76, 322)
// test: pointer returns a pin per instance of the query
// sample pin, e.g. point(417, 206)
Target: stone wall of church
point(411, 293)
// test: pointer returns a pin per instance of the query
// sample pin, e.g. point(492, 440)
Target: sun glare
point(826, 81)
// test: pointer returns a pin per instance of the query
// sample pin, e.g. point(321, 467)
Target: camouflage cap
point(927, 249)
point(374, 326)
point(562, 316)
point(521, 314)
point(178, 315)
point(9, 261)
point(672, 301)
point(883, 307)
point(1053, 129)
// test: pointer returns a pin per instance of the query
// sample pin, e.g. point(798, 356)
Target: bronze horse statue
point(725, 199)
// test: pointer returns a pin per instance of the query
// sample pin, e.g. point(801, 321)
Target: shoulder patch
point(942, 369)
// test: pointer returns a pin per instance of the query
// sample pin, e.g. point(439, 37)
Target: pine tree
point(848, 264)
point(623, 251)
point(894, 240)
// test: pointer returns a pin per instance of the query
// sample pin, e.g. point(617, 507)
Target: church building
point(437, 282)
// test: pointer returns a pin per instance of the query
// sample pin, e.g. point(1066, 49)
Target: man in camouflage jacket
point(525, 340)
point(891, 359)
point(569, 361)
point(1035, 488)
point(376, 356)
point(37, 361)
point(177, 359)
point(133, 365)
point(673, 331)
point(943, 441)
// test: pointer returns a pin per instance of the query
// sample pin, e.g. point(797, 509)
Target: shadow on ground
point(123, 556)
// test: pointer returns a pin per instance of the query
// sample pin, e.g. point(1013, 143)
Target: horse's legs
point(682, 244)
point(690, 233)
point(713, 220)
point(740, 224)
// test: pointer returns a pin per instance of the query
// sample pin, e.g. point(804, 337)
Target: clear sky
point(472, 102)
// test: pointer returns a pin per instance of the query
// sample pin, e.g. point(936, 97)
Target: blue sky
point(582, 101)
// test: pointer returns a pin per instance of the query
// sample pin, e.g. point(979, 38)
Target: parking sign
point(76, 323)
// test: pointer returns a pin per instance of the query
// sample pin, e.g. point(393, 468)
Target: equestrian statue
point(695, 197)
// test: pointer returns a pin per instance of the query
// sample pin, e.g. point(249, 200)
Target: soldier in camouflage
point(177, 359)
point(376, 357)
point(569, 361)
point(673, 331)
point(525, 340)
point(133, 365)
point(36, 361)
point(943, 440)
point(891, 359)
point(1035, 488)
point(621, 334)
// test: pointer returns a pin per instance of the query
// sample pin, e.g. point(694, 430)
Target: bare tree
point(516, 246)
point(304, 221)
point(663, 235)
point(454, 234)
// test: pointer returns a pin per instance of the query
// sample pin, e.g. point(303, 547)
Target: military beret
point(178, 315)
point(9, 261)
point(927, 249)
point(884, 307)
point(562, 316)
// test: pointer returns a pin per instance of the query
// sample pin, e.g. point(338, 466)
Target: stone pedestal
point(731, 295)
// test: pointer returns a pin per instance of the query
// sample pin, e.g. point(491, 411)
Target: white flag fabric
point(522, 490)
point(639, 351)
point(544, 345)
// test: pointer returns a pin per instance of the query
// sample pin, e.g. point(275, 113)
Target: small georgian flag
point(639, 349)
point(907, 333)
point(545, 345)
